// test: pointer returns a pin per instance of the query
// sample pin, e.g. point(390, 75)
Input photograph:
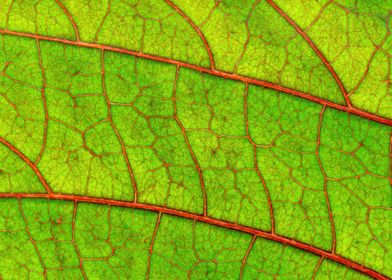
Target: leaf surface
point(195, 139)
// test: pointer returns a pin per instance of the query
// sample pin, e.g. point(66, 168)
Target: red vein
point(246, 255)
point(43, 96)
point(318, 15)
point(26, 160)
point(118, 135)
point(7, 17)
point(74, 242)
point(197, 29)
point(102, 22)
point(75, 27)
point(370, 60)
point(317, 268)
point(217, 73)
point(31, 238)
point(315, 49)
point(183, 131)
point(325, 180)
point(255, 161)
point(248, 33)
point(152, 244)
point(205, 219)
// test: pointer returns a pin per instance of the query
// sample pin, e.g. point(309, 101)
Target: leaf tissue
point(182, 139)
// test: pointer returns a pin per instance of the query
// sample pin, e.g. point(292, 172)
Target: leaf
point(195, 139)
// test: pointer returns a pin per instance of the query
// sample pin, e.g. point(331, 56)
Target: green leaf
point(195, 139)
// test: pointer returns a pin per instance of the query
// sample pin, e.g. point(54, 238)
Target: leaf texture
point(195, 139)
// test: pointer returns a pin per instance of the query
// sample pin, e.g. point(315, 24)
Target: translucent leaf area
point(195, 139)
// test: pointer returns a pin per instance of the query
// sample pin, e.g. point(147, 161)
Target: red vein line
point(205, 219)
point(331, 220)
point(183, 131)
point(75, 27)
point(246, 256)
point(217, 73)
point(43, 96)
point(73, 240)
point(31, 164)
point(102, 22)
point(7, 17)
point(317, 268)
point(197, 29)
point(118, 135)
point(150, 251)
point(315, 49)
point(255, 161)
point(32, 241)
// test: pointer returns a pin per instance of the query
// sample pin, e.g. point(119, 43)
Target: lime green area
point(72, 69)
point(354, 37)
point(15, 175)
point(44, 17)
point(237, 196)
point(115, 243)
point(331, 270)
point(89, 16)
point(19, 257)
point(50, 228)
point(374, 94)
point(22, 111)
point(71, 166)
point(19, 60)
point(206, 102)
point(22, 116)
point(359, 229)
point(270, 260)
